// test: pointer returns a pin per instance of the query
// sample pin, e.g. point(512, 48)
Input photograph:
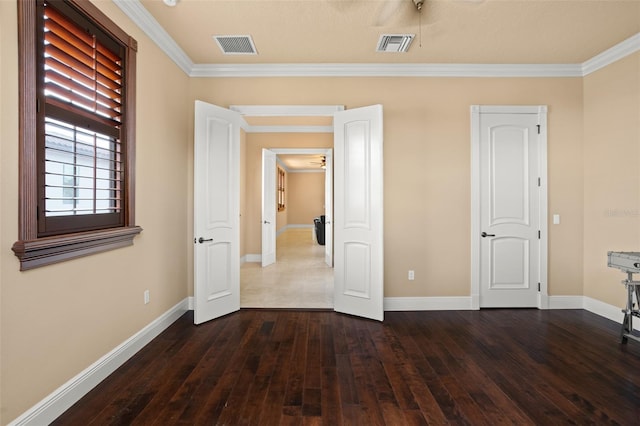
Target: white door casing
point(268, 207)
point(328, 209)
point(216, 212)
point(509, 235)
point(358, 212)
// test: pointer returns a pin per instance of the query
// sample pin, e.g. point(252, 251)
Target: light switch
point(556, 219)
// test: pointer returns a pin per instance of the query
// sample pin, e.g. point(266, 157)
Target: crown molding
point(386, 70)
point(289, 129)
point(609, 56)
point(147, 23)
point(286, 110)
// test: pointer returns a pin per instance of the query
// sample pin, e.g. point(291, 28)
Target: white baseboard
point(610, 312)
point(68, 394)
point(252, 258)
point(595, 306)
point(427, 303)
point(566, 302)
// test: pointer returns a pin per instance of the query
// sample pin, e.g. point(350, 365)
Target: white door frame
point(269, 211)
point(476, 110)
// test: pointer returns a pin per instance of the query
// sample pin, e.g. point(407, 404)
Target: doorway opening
point(221, 207)
point(294, 269)
point(282, 263)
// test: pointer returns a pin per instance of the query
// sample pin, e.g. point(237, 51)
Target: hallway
point(299, 279)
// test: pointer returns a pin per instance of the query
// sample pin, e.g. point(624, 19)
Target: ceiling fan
point(389, 9)
point(322, 162)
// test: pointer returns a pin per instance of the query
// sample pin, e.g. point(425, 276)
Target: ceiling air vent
point(394, 42)
point(236, 45)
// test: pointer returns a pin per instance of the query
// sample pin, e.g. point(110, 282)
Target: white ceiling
point(447, 31)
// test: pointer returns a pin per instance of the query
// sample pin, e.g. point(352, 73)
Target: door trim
point(476, 110)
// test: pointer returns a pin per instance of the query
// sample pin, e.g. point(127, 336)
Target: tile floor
point(299, 278)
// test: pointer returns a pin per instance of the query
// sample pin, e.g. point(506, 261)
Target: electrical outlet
point(412, 275)
point(146, 297)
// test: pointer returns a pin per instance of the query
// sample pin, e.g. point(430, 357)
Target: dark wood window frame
point(32, 250)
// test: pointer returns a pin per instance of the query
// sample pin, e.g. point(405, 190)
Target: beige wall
point(306, 197)
point(427, 165)
point(611, 174)
point(58, 320)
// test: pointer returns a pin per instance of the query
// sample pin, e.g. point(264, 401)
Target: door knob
point(267, 222)
point(484, 234)
point(202, 240)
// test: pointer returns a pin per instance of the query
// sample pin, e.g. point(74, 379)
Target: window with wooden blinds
point(82, 78)
point(77, 132)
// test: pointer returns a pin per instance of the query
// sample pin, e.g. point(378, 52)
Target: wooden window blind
point(81, 152)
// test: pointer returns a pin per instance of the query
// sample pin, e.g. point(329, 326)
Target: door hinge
point(538, 234)
point(538, 128)
point(538, 286)
point(538, 181)
point(37, 105)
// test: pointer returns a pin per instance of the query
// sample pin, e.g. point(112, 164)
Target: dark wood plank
point(271, 367)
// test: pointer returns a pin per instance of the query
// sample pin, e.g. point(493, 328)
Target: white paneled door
point(268, 207)
point(510, 202)
point(358, 207)
point(216, 212)
point(328, 209)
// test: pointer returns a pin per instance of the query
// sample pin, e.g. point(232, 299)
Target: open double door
point(357, 218)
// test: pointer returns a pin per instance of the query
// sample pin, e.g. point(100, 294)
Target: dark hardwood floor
point(269, 367)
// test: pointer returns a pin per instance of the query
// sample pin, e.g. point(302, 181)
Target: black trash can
point(319, 225)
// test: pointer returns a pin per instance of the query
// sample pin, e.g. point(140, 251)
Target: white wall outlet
point(146, 297)
point(412, 275)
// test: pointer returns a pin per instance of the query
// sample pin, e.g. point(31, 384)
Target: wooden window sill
point(49, 250)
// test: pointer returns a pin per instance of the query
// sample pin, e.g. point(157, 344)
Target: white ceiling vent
point(394, 42)
point(236, 45)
